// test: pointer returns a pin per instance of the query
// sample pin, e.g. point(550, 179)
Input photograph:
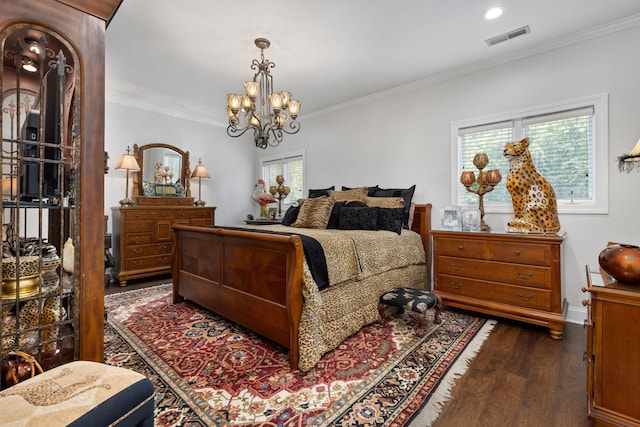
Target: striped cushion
point(314, 213)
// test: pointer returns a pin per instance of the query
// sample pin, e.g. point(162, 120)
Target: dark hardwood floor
point(519, 378)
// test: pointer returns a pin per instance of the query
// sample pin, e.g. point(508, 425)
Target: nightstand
point(517, 276)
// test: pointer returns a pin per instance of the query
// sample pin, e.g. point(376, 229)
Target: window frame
point(282, 156)
point(600, 105)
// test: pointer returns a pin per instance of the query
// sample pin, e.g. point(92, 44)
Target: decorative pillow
point(358, 219)
point(290, 215)
point(390, 219)
point(405, 193)
point(320, 192)
point(370, 190)
point(348, 195)
point(314, 213)
point(334, 218)
point(385, 202)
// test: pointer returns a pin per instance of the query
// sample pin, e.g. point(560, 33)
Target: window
point(291, 166)
point(568, 145)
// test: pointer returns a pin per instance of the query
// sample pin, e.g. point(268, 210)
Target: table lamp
point(201, 173)
point(127, 163)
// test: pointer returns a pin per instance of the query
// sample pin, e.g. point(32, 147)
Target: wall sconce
point(631, 161)
point(201, 173)
point(485, 183)
point(127, 163)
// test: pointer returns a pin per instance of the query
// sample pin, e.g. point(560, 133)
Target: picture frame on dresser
point(470, 220)
point(451, 218)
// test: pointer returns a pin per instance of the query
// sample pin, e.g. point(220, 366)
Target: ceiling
point(183, 57)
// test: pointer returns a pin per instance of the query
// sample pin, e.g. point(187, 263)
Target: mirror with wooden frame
point(164, 171)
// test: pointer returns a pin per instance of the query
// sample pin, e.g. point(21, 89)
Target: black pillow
point(405, 193)
point(334, 218)
point(358, 218)
point(320, 192)
point(290, 215)
point(390, 219)
point(370, 190)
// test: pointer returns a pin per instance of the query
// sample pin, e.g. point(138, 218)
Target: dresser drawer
point(527, 275)
point(523, 253)
point(520, 296)
point(139, 226)
point(134, 251)
point(192, 213)
point(148, 262)
point(146, 214)
point(138, 238)
point(201, 222)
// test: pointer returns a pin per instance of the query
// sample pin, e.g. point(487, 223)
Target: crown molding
point(135, 97)
point(573, 39)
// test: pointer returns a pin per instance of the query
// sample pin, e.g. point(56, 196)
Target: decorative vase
point(622, 262)
point(264, 211)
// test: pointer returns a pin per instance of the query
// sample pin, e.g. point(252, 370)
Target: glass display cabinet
point(51, 163)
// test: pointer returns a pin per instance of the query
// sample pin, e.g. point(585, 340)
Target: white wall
point(403, 139)
point(229, 162)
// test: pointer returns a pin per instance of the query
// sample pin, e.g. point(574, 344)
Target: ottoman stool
point(80, 393)
point(416, 301)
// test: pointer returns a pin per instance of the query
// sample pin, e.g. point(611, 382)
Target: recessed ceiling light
point(493, 13)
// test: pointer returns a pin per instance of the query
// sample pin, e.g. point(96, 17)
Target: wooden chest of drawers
point(613, 351)
point(509, 275)
point(143, 239)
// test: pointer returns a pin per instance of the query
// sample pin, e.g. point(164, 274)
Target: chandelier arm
point(293, 127)
point(234, 131)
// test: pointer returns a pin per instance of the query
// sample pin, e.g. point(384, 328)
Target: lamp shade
point(128, 162)
point(200, 171)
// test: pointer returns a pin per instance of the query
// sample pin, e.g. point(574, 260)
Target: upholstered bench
point(80, 394)
point(415, 301)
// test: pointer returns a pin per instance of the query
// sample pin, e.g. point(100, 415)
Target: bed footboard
point(252, 279)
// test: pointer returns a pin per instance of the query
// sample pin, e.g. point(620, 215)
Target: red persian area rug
point(209, 371)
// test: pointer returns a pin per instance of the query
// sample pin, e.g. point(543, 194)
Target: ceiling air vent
point(508, 36)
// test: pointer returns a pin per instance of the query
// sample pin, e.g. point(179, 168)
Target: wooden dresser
point(613, 351)
point(516, 276)
point(142, 235)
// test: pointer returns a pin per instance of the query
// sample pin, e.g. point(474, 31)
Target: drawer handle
point(525, 275)
point(456, 286)
point(460, 248)
point(517, 252)
point(456, 266)
point(586, 302)
point(137, 251)
point(523, 298)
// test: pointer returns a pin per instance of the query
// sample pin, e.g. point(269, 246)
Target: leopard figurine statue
point(534, 201)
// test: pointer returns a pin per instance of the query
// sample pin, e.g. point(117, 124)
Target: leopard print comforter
point(362, 265)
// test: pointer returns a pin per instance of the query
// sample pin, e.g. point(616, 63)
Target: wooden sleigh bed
point(258, 280)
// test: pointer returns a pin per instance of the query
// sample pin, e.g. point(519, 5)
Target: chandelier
point(269, 114)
